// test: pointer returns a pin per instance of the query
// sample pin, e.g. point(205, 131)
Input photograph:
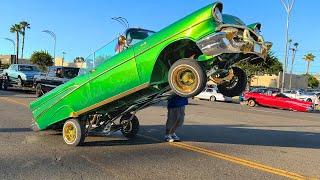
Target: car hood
point(229, 19)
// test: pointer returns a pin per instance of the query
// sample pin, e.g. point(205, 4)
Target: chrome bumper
point(218, 44)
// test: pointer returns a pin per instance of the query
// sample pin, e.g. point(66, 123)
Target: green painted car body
point(141, 70)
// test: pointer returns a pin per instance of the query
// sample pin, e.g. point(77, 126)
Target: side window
point(52, 72)
point(12, 67)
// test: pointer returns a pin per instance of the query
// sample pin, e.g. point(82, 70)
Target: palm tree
point(309, 58)
point(24, 25)
point(16, 28)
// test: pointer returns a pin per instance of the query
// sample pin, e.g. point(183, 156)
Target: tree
point(271, 65)
point(42, 59)
point(309, 58)
point(16, 28)
point(312, 81)
point(24, 25)
point(79, 60)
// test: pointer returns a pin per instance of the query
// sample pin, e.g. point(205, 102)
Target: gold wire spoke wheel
point(185, 79)
point(70, 132)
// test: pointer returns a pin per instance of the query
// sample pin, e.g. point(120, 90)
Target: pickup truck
point(55, 76)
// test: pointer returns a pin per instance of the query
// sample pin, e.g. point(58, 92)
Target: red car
point(277, 100)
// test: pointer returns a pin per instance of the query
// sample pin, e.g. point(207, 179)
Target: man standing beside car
point(176, 112)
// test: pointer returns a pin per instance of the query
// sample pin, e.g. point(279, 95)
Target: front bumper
point(218, 43)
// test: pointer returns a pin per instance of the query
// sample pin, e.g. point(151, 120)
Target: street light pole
point(288, 7)
point(14, 45)
point(53, 35)
point(294, 50)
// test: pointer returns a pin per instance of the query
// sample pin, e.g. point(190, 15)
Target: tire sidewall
point(79, 132)
point(238, 88)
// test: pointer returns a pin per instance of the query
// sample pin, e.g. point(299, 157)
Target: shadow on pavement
point(242, 135)
point(233, 134)
point(239, 134)
point(12, 130)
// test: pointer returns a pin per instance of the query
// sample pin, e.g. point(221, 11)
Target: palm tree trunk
point(17, 48)
point(308, 67)
point(22, 48)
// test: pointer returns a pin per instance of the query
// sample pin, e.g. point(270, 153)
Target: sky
point(83, 26)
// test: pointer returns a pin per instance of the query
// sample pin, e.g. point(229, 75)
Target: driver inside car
point(59, 73)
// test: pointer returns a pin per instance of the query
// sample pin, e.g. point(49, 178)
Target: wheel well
point(252, 99)
point(183, 48)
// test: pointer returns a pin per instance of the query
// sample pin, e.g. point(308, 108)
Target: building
point(6, 60)
point(61, 62)
point(298, 81)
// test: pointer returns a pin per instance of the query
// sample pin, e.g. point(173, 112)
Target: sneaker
point(168, 138)
point(175, 137)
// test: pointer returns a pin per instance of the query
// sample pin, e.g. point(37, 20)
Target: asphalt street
point(220, 141)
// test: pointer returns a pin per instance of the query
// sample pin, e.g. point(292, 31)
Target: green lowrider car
point(142, 67)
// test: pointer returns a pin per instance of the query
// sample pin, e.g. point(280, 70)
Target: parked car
point(277, 100)
point(142, 67)
point(212, 94)
point(301, 95)
point(21, 75)
point(55, 76)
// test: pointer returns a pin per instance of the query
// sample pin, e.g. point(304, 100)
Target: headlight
point(217, 14)
point(257, 30)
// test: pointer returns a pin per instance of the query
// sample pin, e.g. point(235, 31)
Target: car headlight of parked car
point(217, 13)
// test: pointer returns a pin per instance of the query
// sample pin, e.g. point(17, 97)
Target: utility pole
point(294, 50)
point(288, 7)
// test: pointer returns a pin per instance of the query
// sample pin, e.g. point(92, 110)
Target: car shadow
point(223, 134)
point(233, 134)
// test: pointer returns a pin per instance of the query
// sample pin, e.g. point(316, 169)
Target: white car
point(309, 97)
point(212, 94)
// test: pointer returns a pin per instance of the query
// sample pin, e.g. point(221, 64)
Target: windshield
point(100, 56)
point(27, 68)
point(259, 90)
point(70, 73)
point(281, 95)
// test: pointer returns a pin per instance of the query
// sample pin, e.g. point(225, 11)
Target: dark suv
point(55, 76)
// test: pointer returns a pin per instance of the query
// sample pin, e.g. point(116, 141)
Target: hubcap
point(70, 132)
point(184, 79)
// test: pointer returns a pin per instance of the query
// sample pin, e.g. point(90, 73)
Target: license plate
point(257, 48)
